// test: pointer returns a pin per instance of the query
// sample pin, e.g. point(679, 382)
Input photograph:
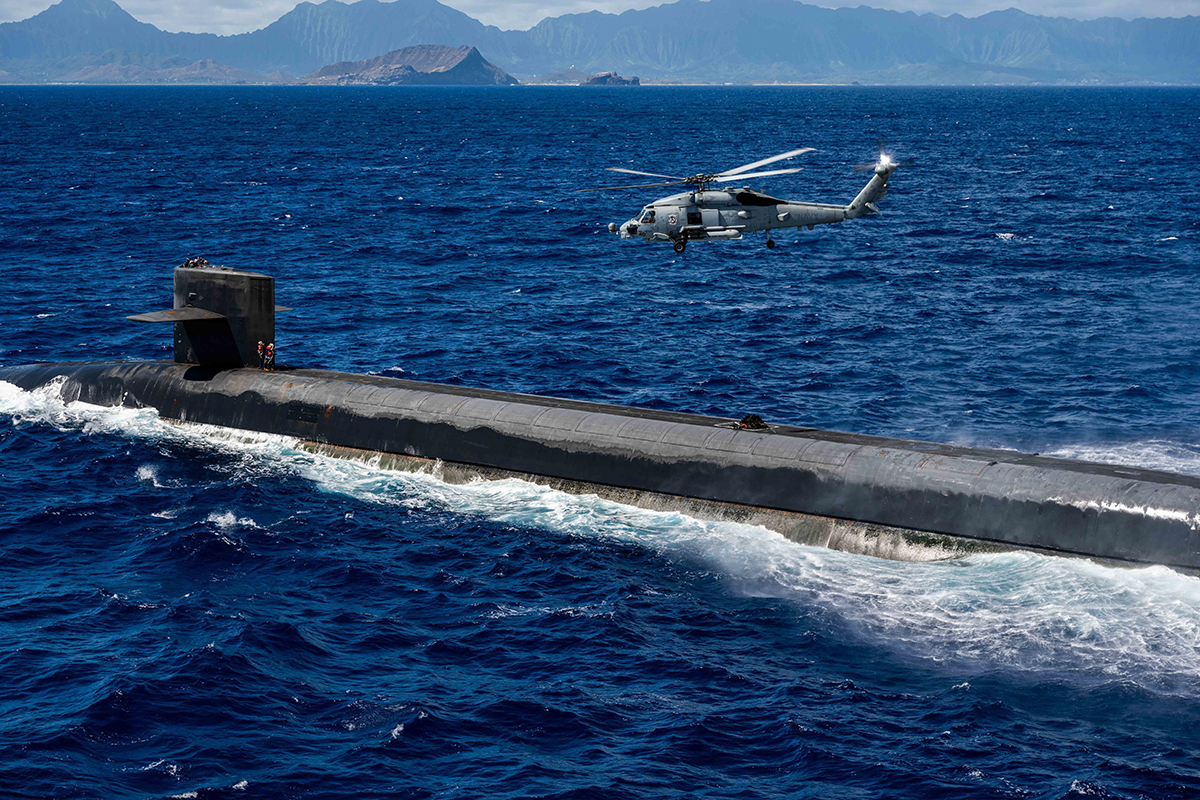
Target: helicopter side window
point(648, 217)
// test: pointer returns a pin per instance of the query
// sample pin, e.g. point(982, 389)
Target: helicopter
point(702, 213)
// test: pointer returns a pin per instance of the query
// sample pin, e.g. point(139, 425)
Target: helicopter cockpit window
point(750, 198)
point(648, 216)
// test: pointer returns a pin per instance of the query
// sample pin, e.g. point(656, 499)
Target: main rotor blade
point(765, 161)
point(647, 174)
point(633, 186)
point(739, 176)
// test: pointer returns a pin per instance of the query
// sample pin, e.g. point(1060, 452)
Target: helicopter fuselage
point(730, 213)
point(722, 214)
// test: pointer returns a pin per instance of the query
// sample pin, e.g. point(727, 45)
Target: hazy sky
point(237, 16)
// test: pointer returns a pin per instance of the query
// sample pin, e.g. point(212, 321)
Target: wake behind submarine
point(893, 498)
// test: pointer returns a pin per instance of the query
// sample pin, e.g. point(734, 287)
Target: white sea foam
point(1016, 611)
point(1013, 611)
point(1161, 454)
point(127, 600)
point(227, 521)
point(520, 610)
point(164, 766)
point(44, 406)
point(148, 473)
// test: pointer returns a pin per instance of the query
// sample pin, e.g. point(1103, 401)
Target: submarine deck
point(587, 406)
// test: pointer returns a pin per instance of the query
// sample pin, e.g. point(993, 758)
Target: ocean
point(200, 612)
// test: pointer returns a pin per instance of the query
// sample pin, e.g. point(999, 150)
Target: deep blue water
point(190, 612)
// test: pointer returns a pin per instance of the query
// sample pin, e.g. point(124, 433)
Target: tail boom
point(873, 192)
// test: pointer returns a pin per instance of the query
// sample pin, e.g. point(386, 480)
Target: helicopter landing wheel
point(770, 244)
point(679, 245)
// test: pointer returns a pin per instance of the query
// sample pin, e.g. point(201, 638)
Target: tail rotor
point(885, 160)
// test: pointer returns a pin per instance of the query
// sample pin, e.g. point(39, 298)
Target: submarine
point(879, 496)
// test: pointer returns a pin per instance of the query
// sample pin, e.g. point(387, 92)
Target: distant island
point(689, 41)
point(562, 77)
point(608, 79)
point(423, 65)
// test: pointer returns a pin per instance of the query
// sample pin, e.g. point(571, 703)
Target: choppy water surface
point(195, 612)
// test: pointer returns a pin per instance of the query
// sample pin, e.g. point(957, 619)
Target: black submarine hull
point(881, 496)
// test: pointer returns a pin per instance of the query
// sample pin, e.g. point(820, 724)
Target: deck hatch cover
point(478, 408)
point(645, 430)
point(732, 441)
point(781, 447)
point(828, 454)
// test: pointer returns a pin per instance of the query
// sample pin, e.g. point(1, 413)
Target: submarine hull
point(882, 496)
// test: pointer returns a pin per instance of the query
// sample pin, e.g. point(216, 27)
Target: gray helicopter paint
point(885, 487)
point(731, 213)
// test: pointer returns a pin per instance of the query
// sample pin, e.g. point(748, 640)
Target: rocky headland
point(423, 65)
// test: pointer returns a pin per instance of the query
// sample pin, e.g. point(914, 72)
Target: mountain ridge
point(688, 40)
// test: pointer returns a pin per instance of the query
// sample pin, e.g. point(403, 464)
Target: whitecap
point(148, 473)
point(518, 610)
point(227, 520)
point(162, 765)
